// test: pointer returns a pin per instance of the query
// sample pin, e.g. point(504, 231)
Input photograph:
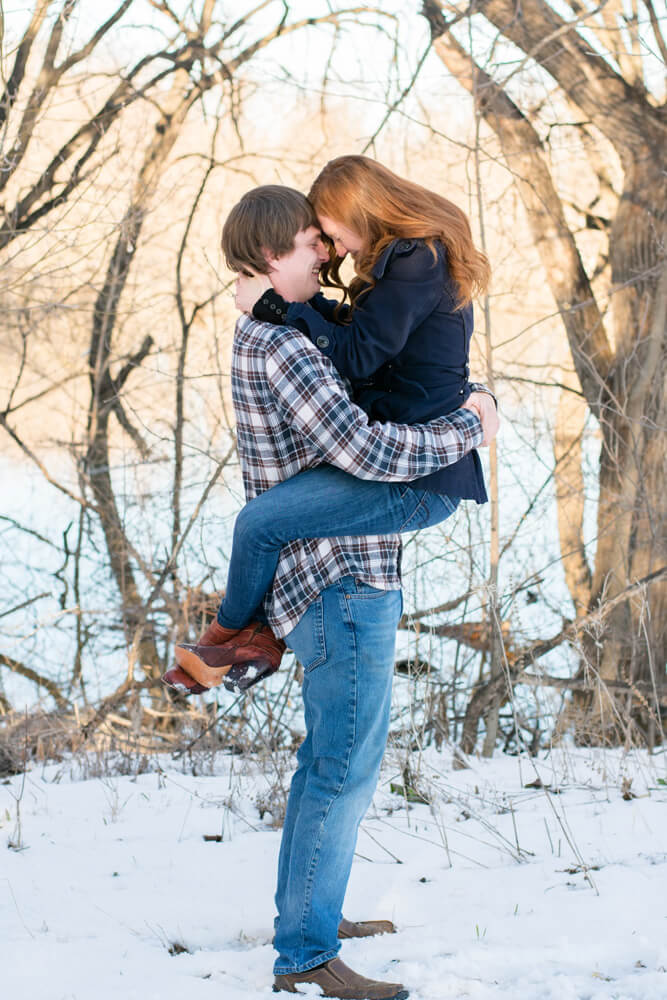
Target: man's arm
point(313, 401)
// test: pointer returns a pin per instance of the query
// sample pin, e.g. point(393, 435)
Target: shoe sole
point(193, 665)
point(401, 995)
point(250, 658)
point(242, 676)
point(178, 680)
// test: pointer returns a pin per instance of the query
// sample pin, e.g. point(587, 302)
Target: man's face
point(295, 274)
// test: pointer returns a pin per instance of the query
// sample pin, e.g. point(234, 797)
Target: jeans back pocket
point(307, 638)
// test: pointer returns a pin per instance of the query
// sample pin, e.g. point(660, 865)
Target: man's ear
point(269, 258)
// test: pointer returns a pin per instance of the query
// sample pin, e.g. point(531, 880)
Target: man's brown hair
point(266, 220)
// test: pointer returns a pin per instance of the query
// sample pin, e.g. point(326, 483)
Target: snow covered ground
point(108, 888)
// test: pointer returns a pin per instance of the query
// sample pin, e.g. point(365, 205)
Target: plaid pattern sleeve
point(314, 404)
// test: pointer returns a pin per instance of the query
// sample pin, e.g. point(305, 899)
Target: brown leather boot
point(364, 928)
point(210, 659)
point(177, 679)
point(216, 634)
point(335, 979)
point(181, 681)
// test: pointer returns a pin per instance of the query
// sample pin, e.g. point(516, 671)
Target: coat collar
point(399, 246)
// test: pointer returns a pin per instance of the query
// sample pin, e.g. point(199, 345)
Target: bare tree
point(198, 64)
point(596, 84)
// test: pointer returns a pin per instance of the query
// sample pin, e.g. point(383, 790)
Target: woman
point(403, 342)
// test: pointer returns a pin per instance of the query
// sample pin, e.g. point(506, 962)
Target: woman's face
point(344, 240)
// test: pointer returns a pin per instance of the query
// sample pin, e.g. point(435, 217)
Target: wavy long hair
point(380, 206)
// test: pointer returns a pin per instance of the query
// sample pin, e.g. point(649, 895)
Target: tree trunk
point(106, 389)
point(623, 384)
point(570, 493)
point(632, 515)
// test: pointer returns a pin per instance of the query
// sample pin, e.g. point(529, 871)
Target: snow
point(106, 874)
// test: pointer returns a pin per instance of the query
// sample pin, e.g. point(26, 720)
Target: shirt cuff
point(480, 387)
point(270, 307)
point(468, 422)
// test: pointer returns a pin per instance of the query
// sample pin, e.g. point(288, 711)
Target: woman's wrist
point(270, 307)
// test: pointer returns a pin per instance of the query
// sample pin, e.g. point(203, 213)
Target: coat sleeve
point(408, 291)
point(326, 307)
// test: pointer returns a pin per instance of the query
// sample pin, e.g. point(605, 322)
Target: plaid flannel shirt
point(294, 412)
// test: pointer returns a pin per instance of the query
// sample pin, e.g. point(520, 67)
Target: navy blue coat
point(405, 351)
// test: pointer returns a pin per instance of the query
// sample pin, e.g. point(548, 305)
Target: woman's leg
point(320, 503)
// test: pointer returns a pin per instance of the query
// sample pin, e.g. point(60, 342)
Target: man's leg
point(346, 644)
point(304, 760)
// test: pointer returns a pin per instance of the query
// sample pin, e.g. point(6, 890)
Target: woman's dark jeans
point(319, 503)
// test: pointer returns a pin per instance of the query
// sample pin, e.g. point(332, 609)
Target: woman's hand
point(248, 289)
point(483, 405)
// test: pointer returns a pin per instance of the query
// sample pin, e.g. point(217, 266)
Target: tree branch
point(22, 53)
point(134, 362)
point(618, 109)
point(48, 78)
point(558, 251)
point(130, 429)
point(489, 693)
point(40, 465)
point(20, 668)
point(655, 25)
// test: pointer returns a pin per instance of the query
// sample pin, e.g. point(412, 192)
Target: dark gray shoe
point(335, 979)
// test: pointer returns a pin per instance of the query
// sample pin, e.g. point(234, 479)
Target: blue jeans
point(320, 503)
point(345, 642)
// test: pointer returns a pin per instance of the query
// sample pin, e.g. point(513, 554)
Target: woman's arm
point(256, 295)
point(271, 307)
point(407, 292)
point(327, 308)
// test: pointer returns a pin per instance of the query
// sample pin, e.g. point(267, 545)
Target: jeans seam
point(308, 894)
point(312, 964)
point(370, 597)
point(414, 513)
point(320, 636)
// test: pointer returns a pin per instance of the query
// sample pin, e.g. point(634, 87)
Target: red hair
point(380, 206)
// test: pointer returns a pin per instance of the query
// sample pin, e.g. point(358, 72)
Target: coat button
point(322, 342)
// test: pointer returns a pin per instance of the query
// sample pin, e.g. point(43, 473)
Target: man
point(336, 601)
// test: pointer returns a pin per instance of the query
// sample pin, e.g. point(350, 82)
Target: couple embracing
point(356, 421)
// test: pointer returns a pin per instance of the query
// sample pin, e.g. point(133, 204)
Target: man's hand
point(248, 289)
point(483, 405)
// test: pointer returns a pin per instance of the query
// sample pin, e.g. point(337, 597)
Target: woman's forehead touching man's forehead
point(306, 236)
